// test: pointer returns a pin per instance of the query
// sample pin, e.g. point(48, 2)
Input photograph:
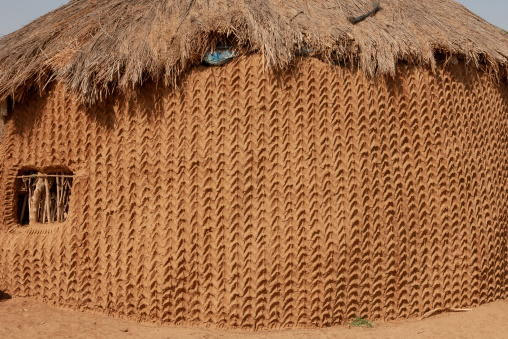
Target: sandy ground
point(25, 318)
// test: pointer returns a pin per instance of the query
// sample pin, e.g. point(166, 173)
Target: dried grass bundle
point(99, 46)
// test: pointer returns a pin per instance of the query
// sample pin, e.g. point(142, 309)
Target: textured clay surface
point(254, 201)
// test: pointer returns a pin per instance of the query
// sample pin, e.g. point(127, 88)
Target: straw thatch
point(97, 46)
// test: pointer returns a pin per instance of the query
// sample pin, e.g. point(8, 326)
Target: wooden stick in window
point(48, 199)
point(23, 209)
point(58, 188)
point(35, 201)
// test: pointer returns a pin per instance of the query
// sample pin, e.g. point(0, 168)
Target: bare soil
point(26, 318)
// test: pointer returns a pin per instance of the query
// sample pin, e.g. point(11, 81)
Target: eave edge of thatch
point(97, 47)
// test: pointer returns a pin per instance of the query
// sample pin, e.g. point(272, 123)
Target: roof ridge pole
point(355, 20)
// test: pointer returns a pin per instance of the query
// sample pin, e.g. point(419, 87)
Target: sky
point(14, 14)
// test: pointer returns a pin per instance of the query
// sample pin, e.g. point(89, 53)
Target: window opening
point(44, 198)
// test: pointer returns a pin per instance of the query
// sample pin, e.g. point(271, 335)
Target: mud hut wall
point(246, 200)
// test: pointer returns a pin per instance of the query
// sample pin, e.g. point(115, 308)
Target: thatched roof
point(98, 46)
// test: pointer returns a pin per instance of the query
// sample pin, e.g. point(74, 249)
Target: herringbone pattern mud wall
point(254, 201)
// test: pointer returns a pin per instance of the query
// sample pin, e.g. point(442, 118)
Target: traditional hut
point(340, 165)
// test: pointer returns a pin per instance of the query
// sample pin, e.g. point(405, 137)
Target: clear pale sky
point(14, 14)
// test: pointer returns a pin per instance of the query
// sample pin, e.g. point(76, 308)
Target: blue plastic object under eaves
point(220, 56)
